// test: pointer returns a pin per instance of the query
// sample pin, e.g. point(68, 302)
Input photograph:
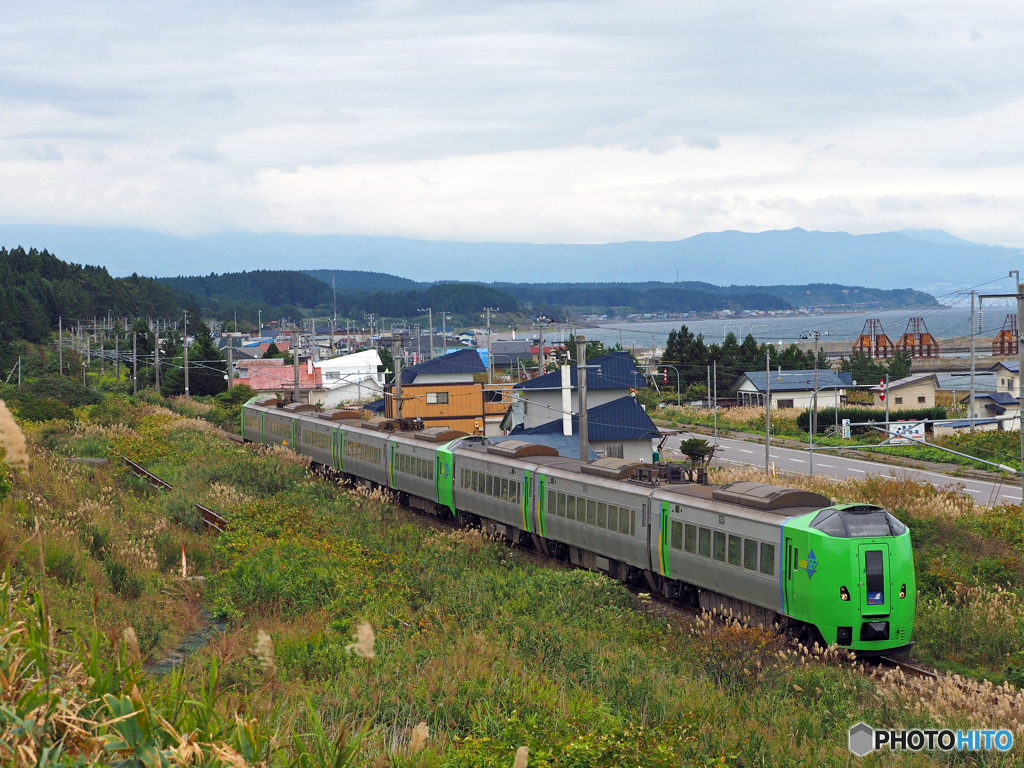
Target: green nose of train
point(849, 571)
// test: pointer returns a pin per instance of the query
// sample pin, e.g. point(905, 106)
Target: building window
point(784, 403)
point(437, 398)
point(898, 401)
point(920, 398)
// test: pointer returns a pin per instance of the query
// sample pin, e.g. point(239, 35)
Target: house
point(793, 389)
point(618, 428)
point(1002, 406)
point(269, 379)
point(1007, 376)
point(614, 417)
point(916, 391)
point(351, 378)
point(609, 377)
point(444, 392)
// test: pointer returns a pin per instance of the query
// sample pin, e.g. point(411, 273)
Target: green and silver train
point(839, 572)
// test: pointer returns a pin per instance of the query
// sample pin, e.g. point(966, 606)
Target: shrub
point(855, 415)
point(67, 391)
point(122, 580)
point(63, 561)
point(45, 409)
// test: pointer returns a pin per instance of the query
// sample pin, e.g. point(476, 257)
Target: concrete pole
point(888, 399)
point(973, 413)
point(542, 367)
point(184, 347)
point(490, 369)
point(295, 362)
point(581, 384)
point(767, 412)
point(714, 404)
point(231, 366)
point(135, 363)
point(156, 357)
point(567, 400)
point(1020, 370)
point(60, 344)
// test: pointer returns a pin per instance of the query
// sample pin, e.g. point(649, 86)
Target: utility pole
point(887, 399)
point(295, 363)
point(714, 405)
point(542, 366)
point(490, 367)
point(397, 392)
point(135, 363)
point(429, 312)
point(971, 412)
point(334, 319)
point(814, 402)
point(184, 347)
point(231, 366)
point(581, 384)
point(767, 411)
point(156, 356)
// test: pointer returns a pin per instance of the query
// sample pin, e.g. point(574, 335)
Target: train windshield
point(857, 522)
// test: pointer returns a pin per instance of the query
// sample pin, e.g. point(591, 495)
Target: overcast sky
point(531, 121)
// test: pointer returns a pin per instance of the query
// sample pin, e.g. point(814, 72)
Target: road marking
point(851, 469)
point(799, 461)
point(743, 451)
point(1014, 498)
point(825, 465)
point(971, 490)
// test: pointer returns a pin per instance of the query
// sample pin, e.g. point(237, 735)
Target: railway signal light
point(882, 396)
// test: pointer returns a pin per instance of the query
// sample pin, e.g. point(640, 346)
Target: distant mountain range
point(928, 260)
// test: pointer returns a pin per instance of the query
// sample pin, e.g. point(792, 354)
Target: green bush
point(63, 561)
point(67, 391)
point(122, 580)
point(45, 409)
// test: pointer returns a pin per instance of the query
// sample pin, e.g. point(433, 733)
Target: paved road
point(741, 452)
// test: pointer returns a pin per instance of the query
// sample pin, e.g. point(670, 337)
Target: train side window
point(624, 517)
point(513, 489)
point(735, 545)
point(430, 470)
point(677, 535)
point(591, 512)
point(750, 555)
point(561, 505)
point(602, 515)
point(504, 489)
point(690, 540)
point(489, 485)
point(476, 481)
point(632, 522)
point(705, 542)
point(613, 518)
point(768, 559)
point(552, 506)
point(720, 546)
point(571, 507)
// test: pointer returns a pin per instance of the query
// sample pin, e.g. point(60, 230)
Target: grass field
point(491, 647)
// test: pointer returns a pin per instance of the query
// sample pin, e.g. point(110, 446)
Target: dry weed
point(12, 441)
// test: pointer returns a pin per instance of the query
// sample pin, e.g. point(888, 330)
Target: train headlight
point(844, 594)
point(903, 591)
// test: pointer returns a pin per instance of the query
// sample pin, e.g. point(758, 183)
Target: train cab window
point(624, 515)
point(874, 572)
point(591, 512)
point(677, 535)
point(720, 546)
point(735, 545)
point(690, 540)
point(750, 554)
point(705, 542)
point(570, 507)
point(613, 518)
point(768, 559)
point(602, 515)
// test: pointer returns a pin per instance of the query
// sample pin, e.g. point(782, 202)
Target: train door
point(874, 587)
point(542, 504)
point(794, 587)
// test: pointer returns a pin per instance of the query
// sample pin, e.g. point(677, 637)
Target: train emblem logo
point(810, 564)
point(444, 469)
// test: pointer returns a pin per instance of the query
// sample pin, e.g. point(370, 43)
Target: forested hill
point(37, 288)
point(354, 281)
point(265, 289)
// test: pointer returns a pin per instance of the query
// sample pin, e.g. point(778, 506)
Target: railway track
point(909, 669)
point(211, 519)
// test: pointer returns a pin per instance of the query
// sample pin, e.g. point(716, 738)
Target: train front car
point(849, 571)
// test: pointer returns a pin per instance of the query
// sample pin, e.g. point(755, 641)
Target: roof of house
point(616, 370)
point(999, 398)
point(797, 381)
point(461, 361)
point(269, 379)
point(918, 378)
point(567, 446)
point(967, 423)
point(618, 420)
point(1013, 366)
point(377, 406)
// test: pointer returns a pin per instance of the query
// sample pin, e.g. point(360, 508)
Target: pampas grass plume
point(420, 734)
point(12, 440)
point(264, 651)
point(363, 645)
point(132, 640)
point(522, 756)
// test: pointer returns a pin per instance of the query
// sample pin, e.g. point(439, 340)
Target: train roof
point(764, 497)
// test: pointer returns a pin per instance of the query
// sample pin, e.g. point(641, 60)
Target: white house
point(793, 389)
point(350, 378)
point(1007, 376)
